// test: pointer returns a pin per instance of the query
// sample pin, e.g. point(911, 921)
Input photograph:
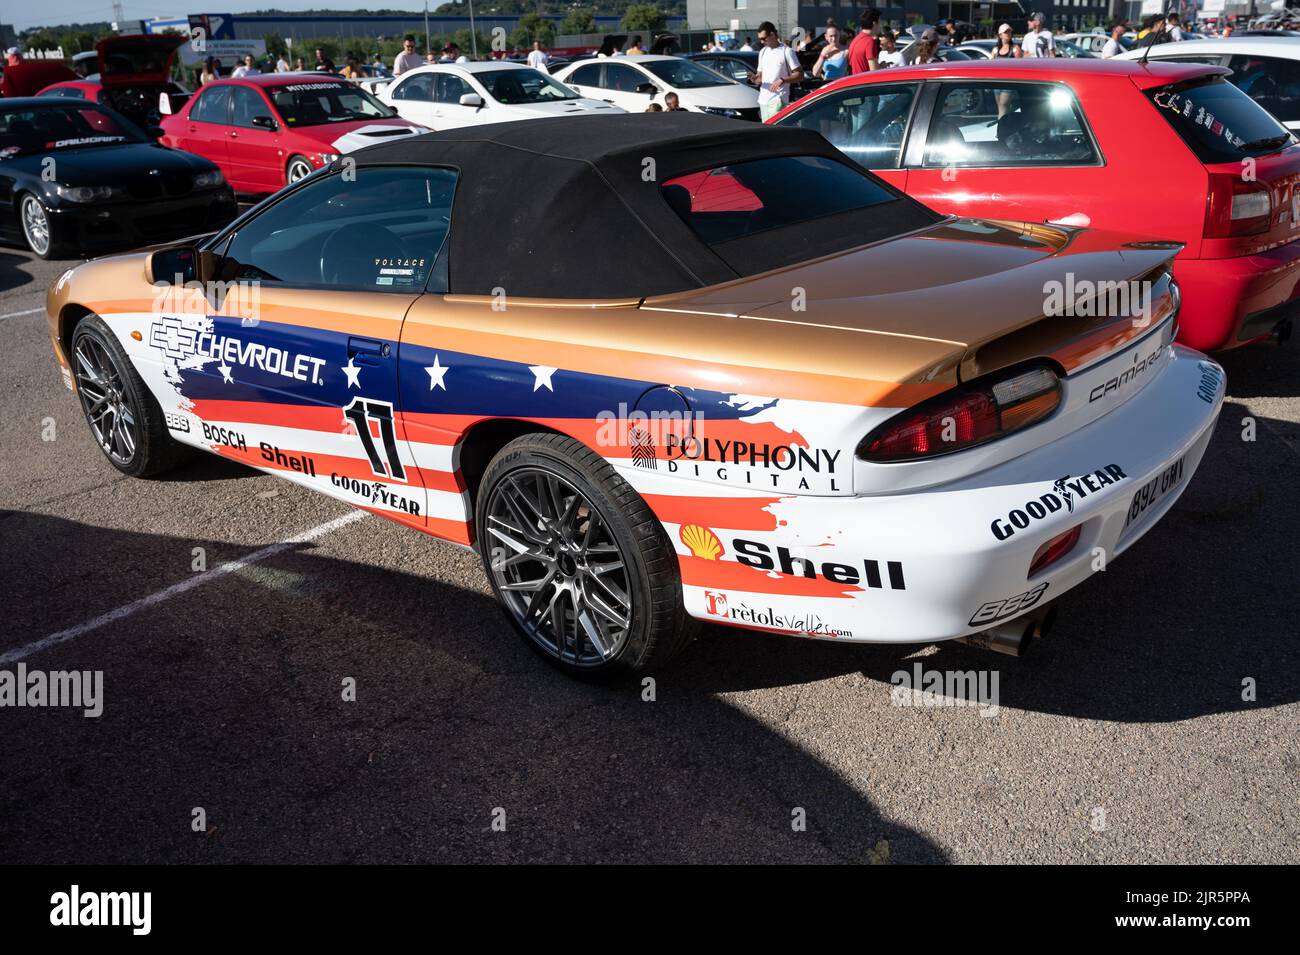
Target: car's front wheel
point(298, 168)
point(582, 567)
point(38, 227)
point(125, 419)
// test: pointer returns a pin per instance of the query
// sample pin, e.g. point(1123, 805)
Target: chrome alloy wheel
point(36, 225)
point(105, 400)
point(558, 567)
point(299, 169)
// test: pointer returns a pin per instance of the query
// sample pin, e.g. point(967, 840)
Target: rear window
point(1219, 122)
point(744, 199)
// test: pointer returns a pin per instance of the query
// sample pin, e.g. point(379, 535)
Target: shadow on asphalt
point(12, 273)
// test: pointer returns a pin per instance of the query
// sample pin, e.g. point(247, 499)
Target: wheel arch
point(479, 445)
point(70, 316)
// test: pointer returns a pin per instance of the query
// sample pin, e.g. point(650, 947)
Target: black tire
point(106, 380)
point(297, 169)
point(605, 511)
point(46, 244)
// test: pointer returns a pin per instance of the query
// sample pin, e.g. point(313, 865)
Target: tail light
point(1235, 207)
point(967, 416)
point(1055, 549)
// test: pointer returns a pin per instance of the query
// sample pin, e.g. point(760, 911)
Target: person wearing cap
point(1038, 42)
point(12, 56)
point(1115, 45)
point(1005, 47)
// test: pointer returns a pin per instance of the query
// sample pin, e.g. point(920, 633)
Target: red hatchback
point(272, 129)
point(1162, 151)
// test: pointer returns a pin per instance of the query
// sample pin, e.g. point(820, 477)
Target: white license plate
point(1145, 497)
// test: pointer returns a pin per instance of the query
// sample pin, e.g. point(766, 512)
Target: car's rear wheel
point(581, 566)
point(125, 419)
point(297, 169)
point(38, 227)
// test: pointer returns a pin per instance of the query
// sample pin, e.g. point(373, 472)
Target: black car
point(76, 177)
point(739, 64)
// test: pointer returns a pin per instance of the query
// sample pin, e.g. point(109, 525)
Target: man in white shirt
point(1113, 46)
point(408, 59)
point(281, 64)
point(778, 67)
point(538, 59)
point(1038, 42)
point(1175, 27)
point(247, 68)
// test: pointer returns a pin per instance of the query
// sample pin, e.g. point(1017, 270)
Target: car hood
point(31, 76)
point(349, 137)
point(731, 96)
point(974, 294)
point(135, 61)
point(569, 107)
point(119, 165)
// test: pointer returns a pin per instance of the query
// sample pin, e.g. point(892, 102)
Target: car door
point(203, 130)
point(1005, 149)
point(447, 91)
point(585, 80)
point(1271, 81)
point(254, 150)
point(296, 372)
point(868, 122)
point(412, 97)
point(620, 82)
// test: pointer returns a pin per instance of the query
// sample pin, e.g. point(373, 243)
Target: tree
point(275, 45)
point(578, 21)
point(645, 17)
point(533, 26)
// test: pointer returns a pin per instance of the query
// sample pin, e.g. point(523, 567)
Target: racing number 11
point(361, 412)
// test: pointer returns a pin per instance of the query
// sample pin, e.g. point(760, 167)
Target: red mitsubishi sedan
point(1160, 151)
point(271, 129)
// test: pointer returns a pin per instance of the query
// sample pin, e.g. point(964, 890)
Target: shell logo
point(701, 541)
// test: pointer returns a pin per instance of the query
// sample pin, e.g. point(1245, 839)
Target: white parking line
point(175, 590)
point(30, 311)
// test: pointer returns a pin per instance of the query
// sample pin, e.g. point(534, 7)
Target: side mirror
point(648, 88)
point(179, 264)
point(471, 99)
point(265, 122)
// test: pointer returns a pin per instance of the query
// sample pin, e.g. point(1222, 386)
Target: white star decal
point(542, 376)
point(225, 370)
point(354, 374)
point(437, 372)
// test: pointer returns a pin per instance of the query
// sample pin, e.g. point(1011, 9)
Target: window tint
point(588, 75)
point(379, 230)
point(66, 92)
point(1217, 121)
point(622, 79)
point(57, 126)
point(450, 89)
point(247, 104)
point(1271, 82)
point(213, 106)
point(319, 103)
point(524, 86)
point(1008, 124)
point(730, 202)
point(419, 87)
point(866, 122)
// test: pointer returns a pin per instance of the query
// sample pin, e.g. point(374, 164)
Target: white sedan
point(634, 82)
point(1265, 68)
point(450, 95)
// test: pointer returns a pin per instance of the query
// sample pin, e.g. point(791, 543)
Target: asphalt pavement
point(1122, 737)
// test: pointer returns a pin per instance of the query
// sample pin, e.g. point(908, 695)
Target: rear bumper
point(1230, 302)
point(953, 560)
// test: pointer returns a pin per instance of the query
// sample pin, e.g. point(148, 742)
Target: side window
point(622, 79)
point(1271, 82)
point(65, 92)
point(247, 104)
point(450, 89)
point(380, 230)
point(1008, 124)
point(213, 106)
point(865, 122)
point(588, 75)
point(418, 87)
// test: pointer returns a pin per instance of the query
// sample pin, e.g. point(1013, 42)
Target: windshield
point(1219, 122)
point(524, 86)
point(318, 104)
point(42, 129)
point(686, 74)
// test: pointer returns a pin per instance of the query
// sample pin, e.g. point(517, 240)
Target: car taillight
point(966, 416)
point(1235, 207)
point(1055, 549)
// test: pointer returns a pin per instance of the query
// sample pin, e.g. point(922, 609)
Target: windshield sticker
point(300, 87)
point(60, 143)
point(1180, 104)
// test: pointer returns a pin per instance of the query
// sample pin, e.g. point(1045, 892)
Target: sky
point(59, 12)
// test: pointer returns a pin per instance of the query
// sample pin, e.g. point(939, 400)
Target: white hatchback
point(450, 95)
point(634, 82)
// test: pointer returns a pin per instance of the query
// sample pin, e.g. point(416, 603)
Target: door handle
point(368, 351)
point(234, 135)
point(607, 100)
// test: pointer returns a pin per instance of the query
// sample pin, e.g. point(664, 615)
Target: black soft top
point(571, 207)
